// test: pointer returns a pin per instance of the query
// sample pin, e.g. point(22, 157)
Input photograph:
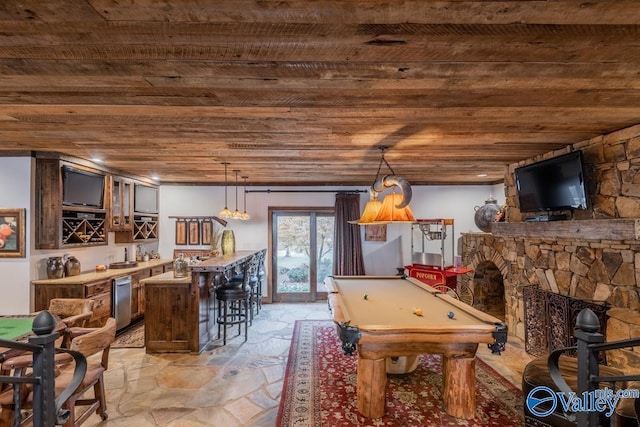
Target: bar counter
point(179, 312)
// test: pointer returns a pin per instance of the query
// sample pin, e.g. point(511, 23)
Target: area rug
point(132, 337)
point(320, 389)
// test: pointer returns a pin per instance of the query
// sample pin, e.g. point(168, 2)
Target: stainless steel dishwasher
point(121, 304)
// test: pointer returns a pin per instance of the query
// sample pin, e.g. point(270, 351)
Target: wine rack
point(145, 228)
point(81, 228)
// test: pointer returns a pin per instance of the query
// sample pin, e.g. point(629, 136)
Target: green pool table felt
point(12, 327)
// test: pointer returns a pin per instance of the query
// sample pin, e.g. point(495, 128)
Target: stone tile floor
point(235, 385)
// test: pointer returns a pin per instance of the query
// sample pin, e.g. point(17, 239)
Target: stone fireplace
point(594, 256)
point(589, 260)
point(488, 288)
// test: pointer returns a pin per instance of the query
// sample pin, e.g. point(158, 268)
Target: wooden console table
point(179, 312)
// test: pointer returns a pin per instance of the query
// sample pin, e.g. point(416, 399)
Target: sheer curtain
point(347, 244)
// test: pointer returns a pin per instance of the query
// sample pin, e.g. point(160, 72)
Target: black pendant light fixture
point(245, 214)
point(236, 214)
point(225, 213)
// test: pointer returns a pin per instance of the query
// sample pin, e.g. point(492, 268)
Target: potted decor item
point(71, 266)
point(228, 242)
point(486, 215)
point(216, 236)
point(55, 267)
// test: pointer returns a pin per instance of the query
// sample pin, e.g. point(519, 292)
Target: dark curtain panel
point(347, 244)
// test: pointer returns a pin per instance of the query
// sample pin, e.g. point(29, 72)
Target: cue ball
point(450, 315)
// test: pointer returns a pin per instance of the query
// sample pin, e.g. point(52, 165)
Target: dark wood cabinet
point(121, 213)
point(99, 291)
point(144, 208)
point(97, 286)
point(137, 293)
point(170, 314)
point(61, 226)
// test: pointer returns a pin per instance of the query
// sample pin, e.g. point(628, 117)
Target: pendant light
point(245, 214)
point(225, 213)
point(236, 214)
point(394, 207)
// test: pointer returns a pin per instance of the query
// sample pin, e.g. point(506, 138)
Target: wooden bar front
point(179, 312)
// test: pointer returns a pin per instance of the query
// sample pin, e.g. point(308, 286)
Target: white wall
point(17, 176)
point(381, 258)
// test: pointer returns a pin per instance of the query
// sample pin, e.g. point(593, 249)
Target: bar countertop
point(93, 276)
point(166, 279)
point(223, 262)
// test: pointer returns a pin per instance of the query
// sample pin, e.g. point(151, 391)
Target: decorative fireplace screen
point(550, 319)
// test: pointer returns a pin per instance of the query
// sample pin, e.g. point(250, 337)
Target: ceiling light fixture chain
point(382, 149)
point(236, 214)
point(225, 213)
point(245, 214)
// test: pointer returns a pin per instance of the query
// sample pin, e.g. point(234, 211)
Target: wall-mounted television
point(82, 188)
point(553, 184)
point(145, 199)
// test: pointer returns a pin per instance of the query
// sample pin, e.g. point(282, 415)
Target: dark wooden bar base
point(179, 312)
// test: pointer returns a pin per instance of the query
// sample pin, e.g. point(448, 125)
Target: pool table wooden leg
point(372, 385)
point(459, 386)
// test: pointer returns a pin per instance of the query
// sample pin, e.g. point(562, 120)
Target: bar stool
point(256, 282)
point(255, 270)
point(233, 299)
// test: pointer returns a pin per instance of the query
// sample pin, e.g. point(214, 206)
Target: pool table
point(400, 316)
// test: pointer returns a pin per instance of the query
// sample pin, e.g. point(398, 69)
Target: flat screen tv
point(82, 188)
point(145, 199)
point(553, 184)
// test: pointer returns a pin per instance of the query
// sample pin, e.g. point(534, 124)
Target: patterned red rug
point(320, 389)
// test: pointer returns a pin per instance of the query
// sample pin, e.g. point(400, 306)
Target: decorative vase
point(486, 215)
point(71, 266)
point(180, 267)
point(228, 242)
point(55, 268)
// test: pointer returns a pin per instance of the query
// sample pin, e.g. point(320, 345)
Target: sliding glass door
point(302, 252)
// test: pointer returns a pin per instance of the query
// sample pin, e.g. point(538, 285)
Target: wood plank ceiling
point(302, 92)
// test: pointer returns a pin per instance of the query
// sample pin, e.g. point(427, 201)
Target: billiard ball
point(366, 296)
point(417, 311)
point(450, 315)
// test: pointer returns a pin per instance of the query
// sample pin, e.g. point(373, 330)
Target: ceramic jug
point(71, 266)
point(55, 268)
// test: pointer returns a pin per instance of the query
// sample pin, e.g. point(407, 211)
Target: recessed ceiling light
point(481, 175)
point(97, 160)
point(155, 178)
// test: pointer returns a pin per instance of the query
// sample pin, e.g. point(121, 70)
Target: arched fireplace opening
point(488, 289)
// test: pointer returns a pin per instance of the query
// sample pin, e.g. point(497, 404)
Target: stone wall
point(581, 265)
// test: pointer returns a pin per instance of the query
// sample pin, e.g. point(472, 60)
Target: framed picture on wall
point(206, 232)
point(194, 232)
point(375, 233)
point(181, 232)
point(12, 233)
